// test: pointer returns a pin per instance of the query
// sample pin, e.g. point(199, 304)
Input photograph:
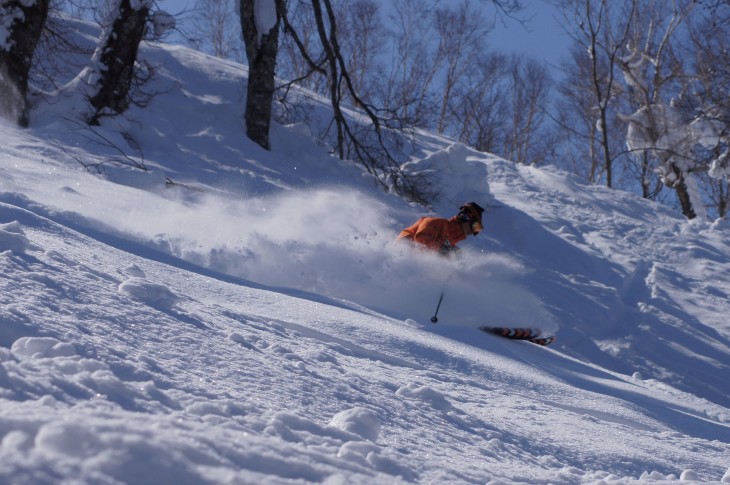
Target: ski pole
point(435, 318)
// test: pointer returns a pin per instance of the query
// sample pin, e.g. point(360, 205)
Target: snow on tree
point(21, 23)
point(658, 127)
point(265, 17)
point(661, 130)
point(162, 23)
point(712, 134)
point(260, 27)
point(672, 134)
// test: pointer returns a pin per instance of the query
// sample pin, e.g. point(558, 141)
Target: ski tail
point(529, 334)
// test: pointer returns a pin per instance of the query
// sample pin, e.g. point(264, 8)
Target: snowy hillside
point(232, 315)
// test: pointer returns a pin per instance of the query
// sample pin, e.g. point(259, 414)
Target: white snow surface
point(233, 315)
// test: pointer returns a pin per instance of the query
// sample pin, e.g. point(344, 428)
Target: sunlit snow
point(233, 315)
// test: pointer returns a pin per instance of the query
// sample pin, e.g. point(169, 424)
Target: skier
point(442, 235)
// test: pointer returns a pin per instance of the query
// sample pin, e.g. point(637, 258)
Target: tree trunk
point(15, 58)
point(116, 63)
point(685, 201)
point(261, 52)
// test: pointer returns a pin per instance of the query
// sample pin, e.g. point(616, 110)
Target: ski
point(542, 340)
point(526, 333)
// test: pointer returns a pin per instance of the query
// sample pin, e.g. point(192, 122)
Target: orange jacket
point(432, 232)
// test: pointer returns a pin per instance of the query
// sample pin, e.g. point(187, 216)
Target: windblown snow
point(233, 315)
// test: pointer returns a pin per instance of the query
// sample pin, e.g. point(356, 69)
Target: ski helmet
point(471, 212)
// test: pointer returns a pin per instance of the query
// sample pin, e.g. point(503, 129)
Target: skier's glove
point(445, 248)
point(448, 250)
point(455, 252)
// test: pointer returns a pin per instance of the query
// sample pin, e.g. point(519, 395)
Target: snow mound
point(13, 239)
point(460, 173)
point(426, 394)
point(689, 476)
point(134, 271)
point(154, 294)
point(41, 347)
point(358, 420)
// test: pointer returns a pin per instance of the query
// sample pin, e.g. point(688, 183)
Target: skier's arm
point(410, 232)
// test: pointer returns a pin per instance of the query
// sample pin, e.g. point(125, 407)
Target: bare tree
point(669, 94)
point(301, 38)
point(718, 193)
point(114, 60)
point(321, 57)
point(576, 117)
point(602, 27)
point(408, 88)
point(530, 85)
point(365, 140)
point(98, 10)
point(214, 29)
point(21, 23)
point(59, 56)
point(362, 39)
point(461, 33)
point(481, 112)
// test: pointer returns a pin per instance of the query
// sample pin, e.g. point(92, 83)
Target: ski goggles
point(476, 227)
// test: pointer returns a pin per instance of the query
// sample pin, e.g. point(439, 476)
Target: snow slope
point(233, 315)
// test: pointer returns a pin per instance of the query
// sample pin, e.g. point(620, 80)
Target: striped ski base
point(526, 333)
